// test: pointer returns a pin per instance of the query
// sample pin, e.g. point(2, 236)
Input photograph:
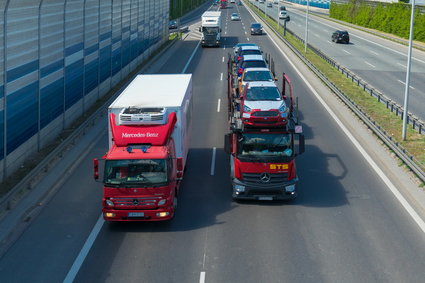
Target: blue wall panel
point(58, 51)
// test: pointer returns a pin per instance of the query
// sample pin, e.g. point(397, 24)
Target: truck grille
point(255, 178)
point(265, 114)
point(125, 202)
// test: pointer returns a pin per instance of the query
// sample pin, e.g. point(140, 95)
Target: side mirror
point(200, 29)
point(180, 164)
point(228, 143)
point(96, 168)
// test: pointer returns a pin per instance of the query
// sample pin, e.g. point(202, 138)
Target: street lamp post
point(306, 26)
point(409, 57)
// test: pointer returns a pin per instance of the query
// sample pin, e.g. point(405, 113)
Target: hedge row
point(180, 7)
point(392, 18)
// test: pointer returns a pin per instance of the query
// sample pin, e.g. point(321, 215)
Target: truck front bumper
point(160, 214)
point(258, 191)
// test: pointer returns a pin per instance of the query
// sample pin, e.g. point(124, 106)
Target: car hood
point(264, 104)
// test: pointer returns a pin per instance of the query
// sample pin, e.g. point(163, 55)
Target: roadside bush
point(392, 18)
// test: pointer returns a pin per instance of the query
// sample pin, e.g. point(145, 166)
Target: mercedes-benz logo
point(135, 201)
point(265, 177)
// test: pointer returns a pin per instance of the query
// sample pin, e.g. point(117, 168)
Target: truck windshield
point(136, 173)
point(258, 145)
point(210, 30)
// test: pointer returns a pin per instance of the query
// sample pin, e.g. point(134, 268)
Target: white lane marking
point(213, 161)
point(404, 66)
point(245, 32)
point(223, 59)
point(202, 277)
point(330, 42)
point(366, 156)
point(218, 105)
point(221, 76)
point(369, 64)
point(373, 52)
point(405, 84)
point(224, 47)
point(225, 32)
point(346, 51)
point(84, 251)
point(191, 57)
point(247, 38)
point(316, 35)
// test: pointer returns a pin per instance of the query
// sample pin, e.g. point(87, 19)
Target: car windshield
point(234, 15)
point(136, 172)
point(261, 144)
point(250, 52)
point(263, 93)
point(254, 64)
point(257, 76)
point(256, 26)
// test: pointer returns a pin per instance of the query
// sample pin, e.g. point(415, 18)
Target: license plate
point(265, 198)
point(136, 214)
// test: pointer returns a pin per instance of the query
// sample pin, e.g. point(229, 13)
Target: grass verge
point(390, 123)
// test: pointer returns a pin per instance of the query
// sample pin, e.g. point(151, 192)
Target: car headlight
point(109, 202)
point(162, 202)
point(290, 188)
point(239, 188)
point(246, 109)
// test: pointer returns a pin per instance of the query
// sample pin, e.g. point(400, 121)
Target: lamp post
point(306, 26)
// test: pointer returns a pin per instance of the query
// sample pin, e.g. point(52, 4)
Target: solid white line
point(213, 161)
point(221, 76)
point(369, 64)
point(202, 277)
point(373, 52)
point(346, 51)
point(247, 38)
point(191, 57)
point(405, 84)
point(218, 105)
point(84, 251)
point(245, 32)
point(366, 156)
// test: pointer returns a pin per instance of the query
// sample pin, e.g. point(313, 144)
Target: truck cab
point(210, 28)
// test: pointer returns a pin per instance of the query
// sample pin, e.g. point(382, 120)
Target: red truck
point(149, 133)
point(223, 4)
point(262, 158)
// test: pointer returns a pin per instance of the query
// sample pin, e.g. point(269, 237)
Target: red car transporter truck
point(262, 158)
point(149, 132)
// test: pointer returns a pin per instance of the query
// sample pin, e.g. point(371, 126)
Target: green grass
point(388, 121)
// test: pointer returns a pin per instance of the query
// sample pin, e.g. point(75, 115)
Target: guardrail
point(401, 152)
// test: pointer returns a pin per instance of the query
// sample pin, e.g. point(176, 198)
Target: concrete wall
point(57, 57)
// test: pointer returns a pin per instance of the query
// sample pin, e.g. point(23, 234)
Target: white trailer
point(149, 99)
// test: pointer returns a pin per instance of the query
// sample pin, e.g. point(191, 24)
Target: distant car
point(341, 36)
point(172, 24)
point(256, 28)
point(283, 15)
point(282, 8)
point(269, 4)
point(275, 1)
point(261, 1)
point(232, 1)
point(235, 17)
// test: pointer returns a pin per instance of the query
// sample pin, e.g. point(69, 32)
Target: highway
point(381, 63)
point(345, 226)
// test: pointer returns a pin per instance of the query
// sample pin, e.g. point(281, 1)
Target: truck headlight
point(290, 188)
point(239, 188)
point(109, 202)
point(162, 202)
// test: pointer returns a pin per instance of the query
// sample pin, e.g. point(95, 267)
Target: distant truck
point(211, 28)
point(223, 4)
point(149, 133)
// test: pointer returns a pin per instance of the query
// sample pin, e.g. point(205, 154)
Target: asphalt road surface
point(345, 225)
point(381, 63)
